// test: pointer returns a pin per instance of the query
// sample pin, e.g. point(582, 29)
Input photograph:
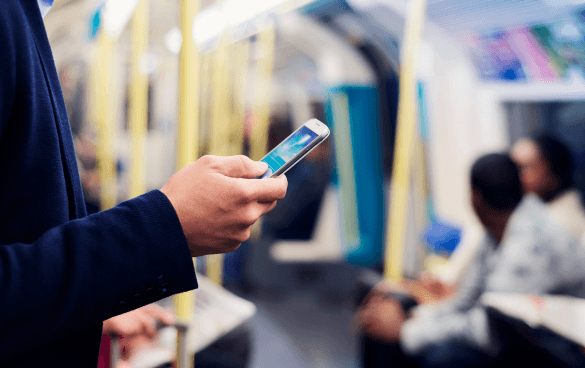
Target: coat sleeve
point(88, 270)
point(455, 318)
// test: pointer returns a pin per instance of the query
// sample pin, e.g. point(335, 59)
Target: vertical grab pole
point(187, 142)
point(137, 120)
point(240, 77)
point(104, 112)
point(220, 129)
point(405, 140)
point(220, 117)
point(261, 103)
point(187, 149)
point(227, 123)
point(138, 113)
point(206, 101)
point(106, 100)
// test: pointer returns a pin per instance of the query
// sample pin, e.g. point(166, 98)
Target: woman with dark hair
point(546, 169)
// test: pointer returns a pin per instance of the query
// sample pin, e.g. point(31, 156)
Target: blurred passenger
point(546, 169)
point(524, 251)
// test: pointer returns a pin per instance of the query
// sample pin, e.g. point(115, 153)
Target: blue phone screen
point(288, 149)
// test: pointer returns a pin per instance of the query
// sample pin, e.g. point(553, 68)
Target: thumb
point(240, 167)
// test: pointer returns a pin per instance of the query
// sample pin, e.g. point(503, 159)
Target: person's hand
point(131, 346)
point(141, 321)
point(136, 329)
point(386, 287)
point(432, 290)
point(218, 199)
point(381, 319)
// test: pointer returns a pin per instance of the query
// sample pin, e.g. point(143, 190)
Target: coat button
point(163, 290)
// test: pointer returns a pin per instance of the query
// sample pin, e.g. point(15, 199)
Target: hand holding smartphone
point(295, 147)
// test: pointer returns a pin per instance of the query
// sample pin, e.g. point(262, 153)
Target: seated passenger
point(523, 251)
point(546, 169)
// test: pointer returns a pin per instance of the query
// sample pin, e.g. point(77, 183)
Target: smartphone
point(295, 147)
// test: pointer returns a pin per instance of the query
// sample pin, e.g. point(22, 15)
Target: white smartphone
point(295, 147)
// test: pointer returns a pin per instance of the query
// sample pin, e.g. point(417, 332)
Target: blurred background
point(150, 85)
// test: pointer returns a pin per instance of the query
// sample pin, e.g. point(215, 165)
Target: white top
point(568, 211)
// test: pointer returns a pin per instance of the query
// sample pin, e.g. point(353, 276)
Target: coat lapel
point(74, 193)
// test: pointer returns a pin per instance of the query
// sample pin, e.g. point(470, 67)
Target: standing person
point(63, 273)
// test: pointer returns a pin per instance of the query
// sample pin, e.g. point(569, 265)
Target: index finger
point(267, 190)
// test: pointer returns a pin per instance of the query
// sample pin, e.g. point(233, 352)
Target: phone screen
point(288, 149)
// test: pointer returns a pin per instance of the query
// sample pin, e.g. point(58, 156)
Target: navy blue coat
point(62, 273)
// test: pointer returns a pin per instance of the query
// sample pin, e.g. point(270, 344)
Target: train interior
point(481, 75)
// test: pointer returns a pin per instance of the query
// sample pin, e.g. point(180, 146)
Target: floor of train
point(303, 325)
point(302, 328)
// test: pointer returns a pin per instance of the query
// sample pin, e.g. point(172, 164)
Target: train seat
point(324, 246)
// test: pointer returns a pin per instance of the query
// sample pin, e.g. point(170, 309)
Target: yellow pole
point(138, 113)
point(229, 78)
point(206, 102)
point(220, 130)
point(261, 104)
point(239, 96)
point(187, 146)
point(405, 136)
point(105, 151)
point(220, 116)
